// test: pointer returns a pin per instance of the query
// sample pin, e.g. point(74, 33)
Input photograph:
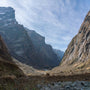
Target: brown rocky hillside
point(77, 56)
point(7, 67)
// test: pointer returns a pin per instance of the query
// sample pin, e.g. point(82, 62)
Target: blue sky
point(57, 20)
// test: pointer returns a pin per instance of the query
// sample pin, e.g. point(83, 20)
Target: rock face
point(59, 54)
point(79, 48)
point(76, 59)
point(20, 43)
point(7, 66)
point(43, 50)
point(7, 16)
point(3, 51)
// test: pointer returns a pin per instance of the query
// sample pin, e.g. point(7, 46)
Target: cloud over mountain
point(57, 20)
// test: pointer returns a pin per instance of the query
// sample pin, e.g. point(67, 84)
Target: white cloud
point(57, 20)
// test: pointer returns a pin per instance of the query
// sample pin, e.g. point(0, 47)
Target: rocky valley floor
point(76, 82)
point(77, 85)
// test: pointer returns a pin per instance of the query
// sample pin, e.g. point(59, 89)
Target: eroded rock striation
point(79, 48)
point(76, 59)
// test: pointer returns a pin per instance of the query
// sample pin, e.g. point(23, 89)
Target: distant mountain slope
point(59, 53)
point(44, 50)
point(77, 56)
point(7, 66)
point(41, 47)
point(20, 43)
point(28, 70)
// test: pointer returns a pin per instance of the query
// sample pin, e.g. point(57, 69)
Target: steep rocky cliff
point(3, 51)
point(7, 66)
point(77, 56)
point(79, 48)
point(44, 50)
point(20, 43)
point(15, 36)
point(7, 16)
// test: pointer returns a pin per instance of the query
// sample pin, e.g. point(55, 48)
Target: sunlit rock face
point(79, 47)
point(21, 45)
point(76, 59)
